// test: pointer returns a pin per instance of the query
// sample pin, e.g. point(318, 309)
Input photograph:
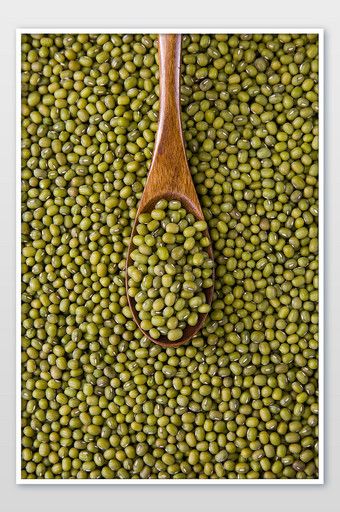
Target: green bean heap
point(170, 271)
point(99, 400)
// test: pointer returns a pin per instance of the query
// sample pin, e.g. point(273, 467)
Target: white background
point(175, 13)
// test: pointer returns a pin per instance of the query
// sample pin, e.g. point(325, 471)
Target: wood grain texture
point(169, 175)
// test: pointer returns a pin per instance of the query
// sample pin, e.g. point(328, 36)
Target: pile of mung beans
point(170, 271)
point(99, 400)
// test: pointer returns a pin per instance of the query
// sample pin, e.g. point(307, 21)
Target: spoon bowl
point(189, 330)
point(169, 176)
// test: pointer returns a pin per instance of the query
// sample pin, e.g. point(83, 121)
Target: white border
point(120, 30)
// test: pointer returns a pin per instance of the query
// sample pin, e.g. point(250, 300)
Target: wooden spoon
point(169, 176)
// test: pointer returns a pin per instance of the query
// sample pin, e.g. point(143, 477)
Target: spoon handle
point(169, 174)
point(170, 125)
